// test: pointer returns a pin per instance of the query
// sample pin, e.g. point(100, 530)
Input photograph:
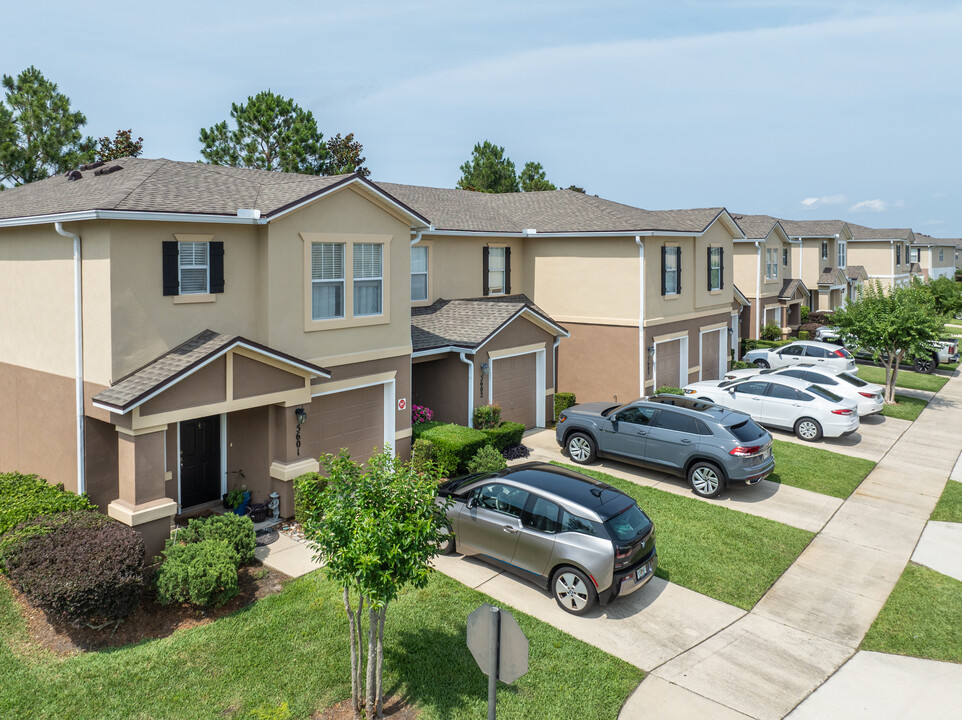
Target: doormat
point(266, 536)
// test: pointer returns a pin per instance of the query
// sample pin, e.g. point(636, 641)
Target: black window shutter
point(217, 267)
point(664, 252)
point(171, 256)
point(484, 270)
point(709, 270)
point(678, 265)
point(507, 271)
point(721, 269)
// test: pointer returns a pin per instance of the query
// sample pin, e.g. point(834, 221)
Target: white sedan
point(803, 351)
point(868, 396)
point(810, 411)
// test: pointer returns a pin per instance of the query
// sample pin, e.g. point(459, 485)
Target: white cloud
point(875, 205)
point(815, 202)
point(935, 222)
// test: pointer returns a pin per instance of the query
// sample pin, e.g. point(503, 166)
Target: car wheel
point(924, 365)
point(706, 479)
point(808, 429)
point(446, 546)
point(581, 448)
point(573, 591)
point(763, 364)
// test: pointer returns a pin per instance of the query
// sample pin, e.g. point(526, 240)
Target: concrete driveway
point(875, 436)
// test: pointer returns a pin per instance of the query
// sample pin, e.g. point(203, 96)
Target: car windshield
point(746, 431)
point(629, 524)
point(852, 380)
point(822, 392)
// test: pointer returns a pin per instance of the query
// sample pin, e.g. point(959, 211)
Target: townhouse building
point(821, 252)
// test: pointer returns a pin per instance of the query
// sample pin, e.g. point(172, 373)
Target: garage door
point(710, 352)
point(353, 419)
point(667, 363)
point(514, 384)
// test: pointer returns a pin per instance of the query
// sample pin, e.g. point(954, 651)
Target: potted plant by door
point(238, 499)
point(232, 498)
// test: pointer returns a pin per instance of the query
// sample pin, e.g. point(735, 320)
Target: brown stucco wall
point(100, 462)
point(252, 378)
point(440, 383)
point(692, 326)
point(599, 363)
point(248, 450)
point(205, 387)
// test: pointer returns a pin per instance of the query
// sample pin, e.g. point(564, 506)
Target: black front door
point(199, 461)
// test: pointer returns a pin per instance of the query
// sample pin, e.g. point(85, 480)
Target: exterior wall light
point(301, 415)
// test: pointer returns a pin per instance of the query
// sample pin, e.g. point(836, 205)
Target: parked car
point(584, 540)
point(800, 351)
point(868, 396)
point(810, 411)
point(711, 446)
point(945, 350)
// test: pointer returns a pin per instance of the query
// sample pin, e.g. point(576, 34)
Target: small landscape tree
point(375, 530)
point(891, 324)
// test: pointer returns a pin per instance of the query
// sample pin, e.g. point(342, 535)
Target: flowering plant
point(421, 413)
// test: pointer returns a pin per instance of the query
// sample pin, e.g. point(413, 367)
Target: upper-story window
point(941, 255)
point(193, 267)
point(368, 279)
point(419, 273)
point(327, 280)
point(670, 270)
point(716, 268)
point(914, 255)
point(841, 254)
point(497, 270)
point(771, 263)
point(824, 249)
point(785, 257)
point(898, 253)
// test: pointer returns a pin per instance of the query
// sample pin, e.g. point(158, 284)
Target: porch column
point(287, 464)
point(142, 475)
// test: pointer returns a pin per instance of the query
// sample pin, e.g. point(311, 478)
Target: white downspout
point(554, 366)
point(417, 237)
point(642, 351)
point(892, 258)
point(758, 290)
point(470, 364)
point(79, 352)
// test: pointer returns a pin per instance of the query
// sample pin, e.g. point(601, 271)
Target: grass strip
point(905, 408)
point(725, 554)
point(292, 648)
point(949, 507)
point(818, 470)
point(920, 618)
point(906, 379)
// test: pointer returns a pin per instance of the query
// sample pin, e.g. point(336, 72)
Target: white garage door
point(668, 363)
point(514, 388)
point(353, 419)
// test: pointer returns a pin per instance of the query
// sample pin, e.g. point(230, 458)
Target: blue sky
point(803, 110)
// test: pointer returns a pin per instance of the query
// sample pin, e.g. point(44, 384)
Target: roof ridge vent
point(73, 175)
point(93, 165)
point(107, 170)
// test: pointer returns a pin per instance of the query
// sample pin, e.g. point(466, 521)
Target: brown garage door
point(514, 382)
point(710, 342)
point(353, 419)
point(667, 363)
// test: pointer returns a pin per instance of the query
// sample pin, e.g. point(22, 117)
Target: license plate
point(643, 571)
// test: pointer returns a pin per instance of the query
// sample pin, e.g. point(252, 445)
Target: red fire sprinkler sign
point(402, 403)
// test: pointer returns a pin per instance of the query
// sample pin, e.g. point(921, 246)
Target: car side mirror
point(472, 502)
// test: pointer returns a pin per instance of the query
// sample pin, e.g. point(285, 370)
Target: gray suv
point(710, 445)
point(582, 539)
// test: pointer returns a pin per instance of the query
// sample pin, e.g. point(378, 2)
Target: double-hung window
point(824, 249)
point(914, 255)
point(497, 271)
point(716, 269)
point(841, 255)
point(898, 253)
point(419, 273)
point(771, 264)
point(785, 257)
point(670, 270)
point(193, 267)
point(327, 280)
point(368, 279)
point(941, 256)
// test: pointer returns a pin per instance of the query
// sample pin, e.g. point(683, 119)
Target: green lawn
point(818, 470)
point(921, 617)
point(292, 648)
point(949, 508)
point(906, 379)
point(905, 408)
point(725, 554)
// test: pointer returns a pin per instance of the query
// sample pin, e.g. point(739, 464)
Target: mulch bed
point(151, 621)
point(394, 707)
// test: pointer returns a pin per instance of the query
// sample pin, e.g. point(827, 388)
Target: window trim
point(842, 254)
point(664, 270)
point(486, 270)
point(712, 287)
point(341, 281)
point(365, 279)
point(171, 268)
point(427, 272)
point(824, 249)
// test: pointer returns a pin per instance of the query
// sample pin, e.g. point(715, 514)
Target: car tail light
point(622, 555)
point(868, 395)
point(745, 451)
point(842, 411)
point(841, 352)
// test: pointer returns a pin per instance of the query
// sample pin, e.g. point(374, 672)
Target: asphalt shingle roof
point(856, 272)
point(860, 232)
point(831, 276)
point(813, 228)
point(756, 227)
point(466, 323)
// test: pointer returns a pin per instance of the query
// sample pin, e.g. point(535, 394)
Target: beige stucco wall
point(878, 257)
point(745, 270)
point(455, 266)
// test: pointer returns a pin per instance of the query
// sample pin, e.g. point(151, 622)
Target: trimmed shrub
point(772, 331)
point(307, 494)
point(24, 497)
point(820, 318)
point(505, 435)
point(804, 312)
point(421, 428)
point(742, 365)
point(201, 573)
point(563, 401)
point(235, 531)
point(487, 416)
point(669, 390)
point(773, 343)
point(487, 459)
point(455, 445)
point(803, 334)
point(78, 565)
point(749, 344)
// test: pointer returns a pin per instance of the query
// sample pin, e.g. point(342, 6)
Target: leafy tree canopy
point(488, 170)
point(946, 294)
point(891, 323)
point(345, 156)
point(532, 178)
point(271, 133)
point(39, 135)
point(123, 145)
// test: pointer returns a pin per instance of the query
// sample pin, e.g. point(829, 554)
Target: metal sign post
point(499, 647)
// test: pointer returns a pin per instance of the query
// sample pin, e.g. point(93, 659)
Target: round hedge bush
point(78, 565)
point(236, 531)
point(201, 573)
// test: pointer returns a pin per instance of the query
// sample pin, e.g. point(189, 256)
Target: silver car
point(803, 351)
point(582, 539)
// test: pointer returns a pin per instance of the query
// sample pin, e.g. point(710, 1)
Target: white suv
point(803, 351)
